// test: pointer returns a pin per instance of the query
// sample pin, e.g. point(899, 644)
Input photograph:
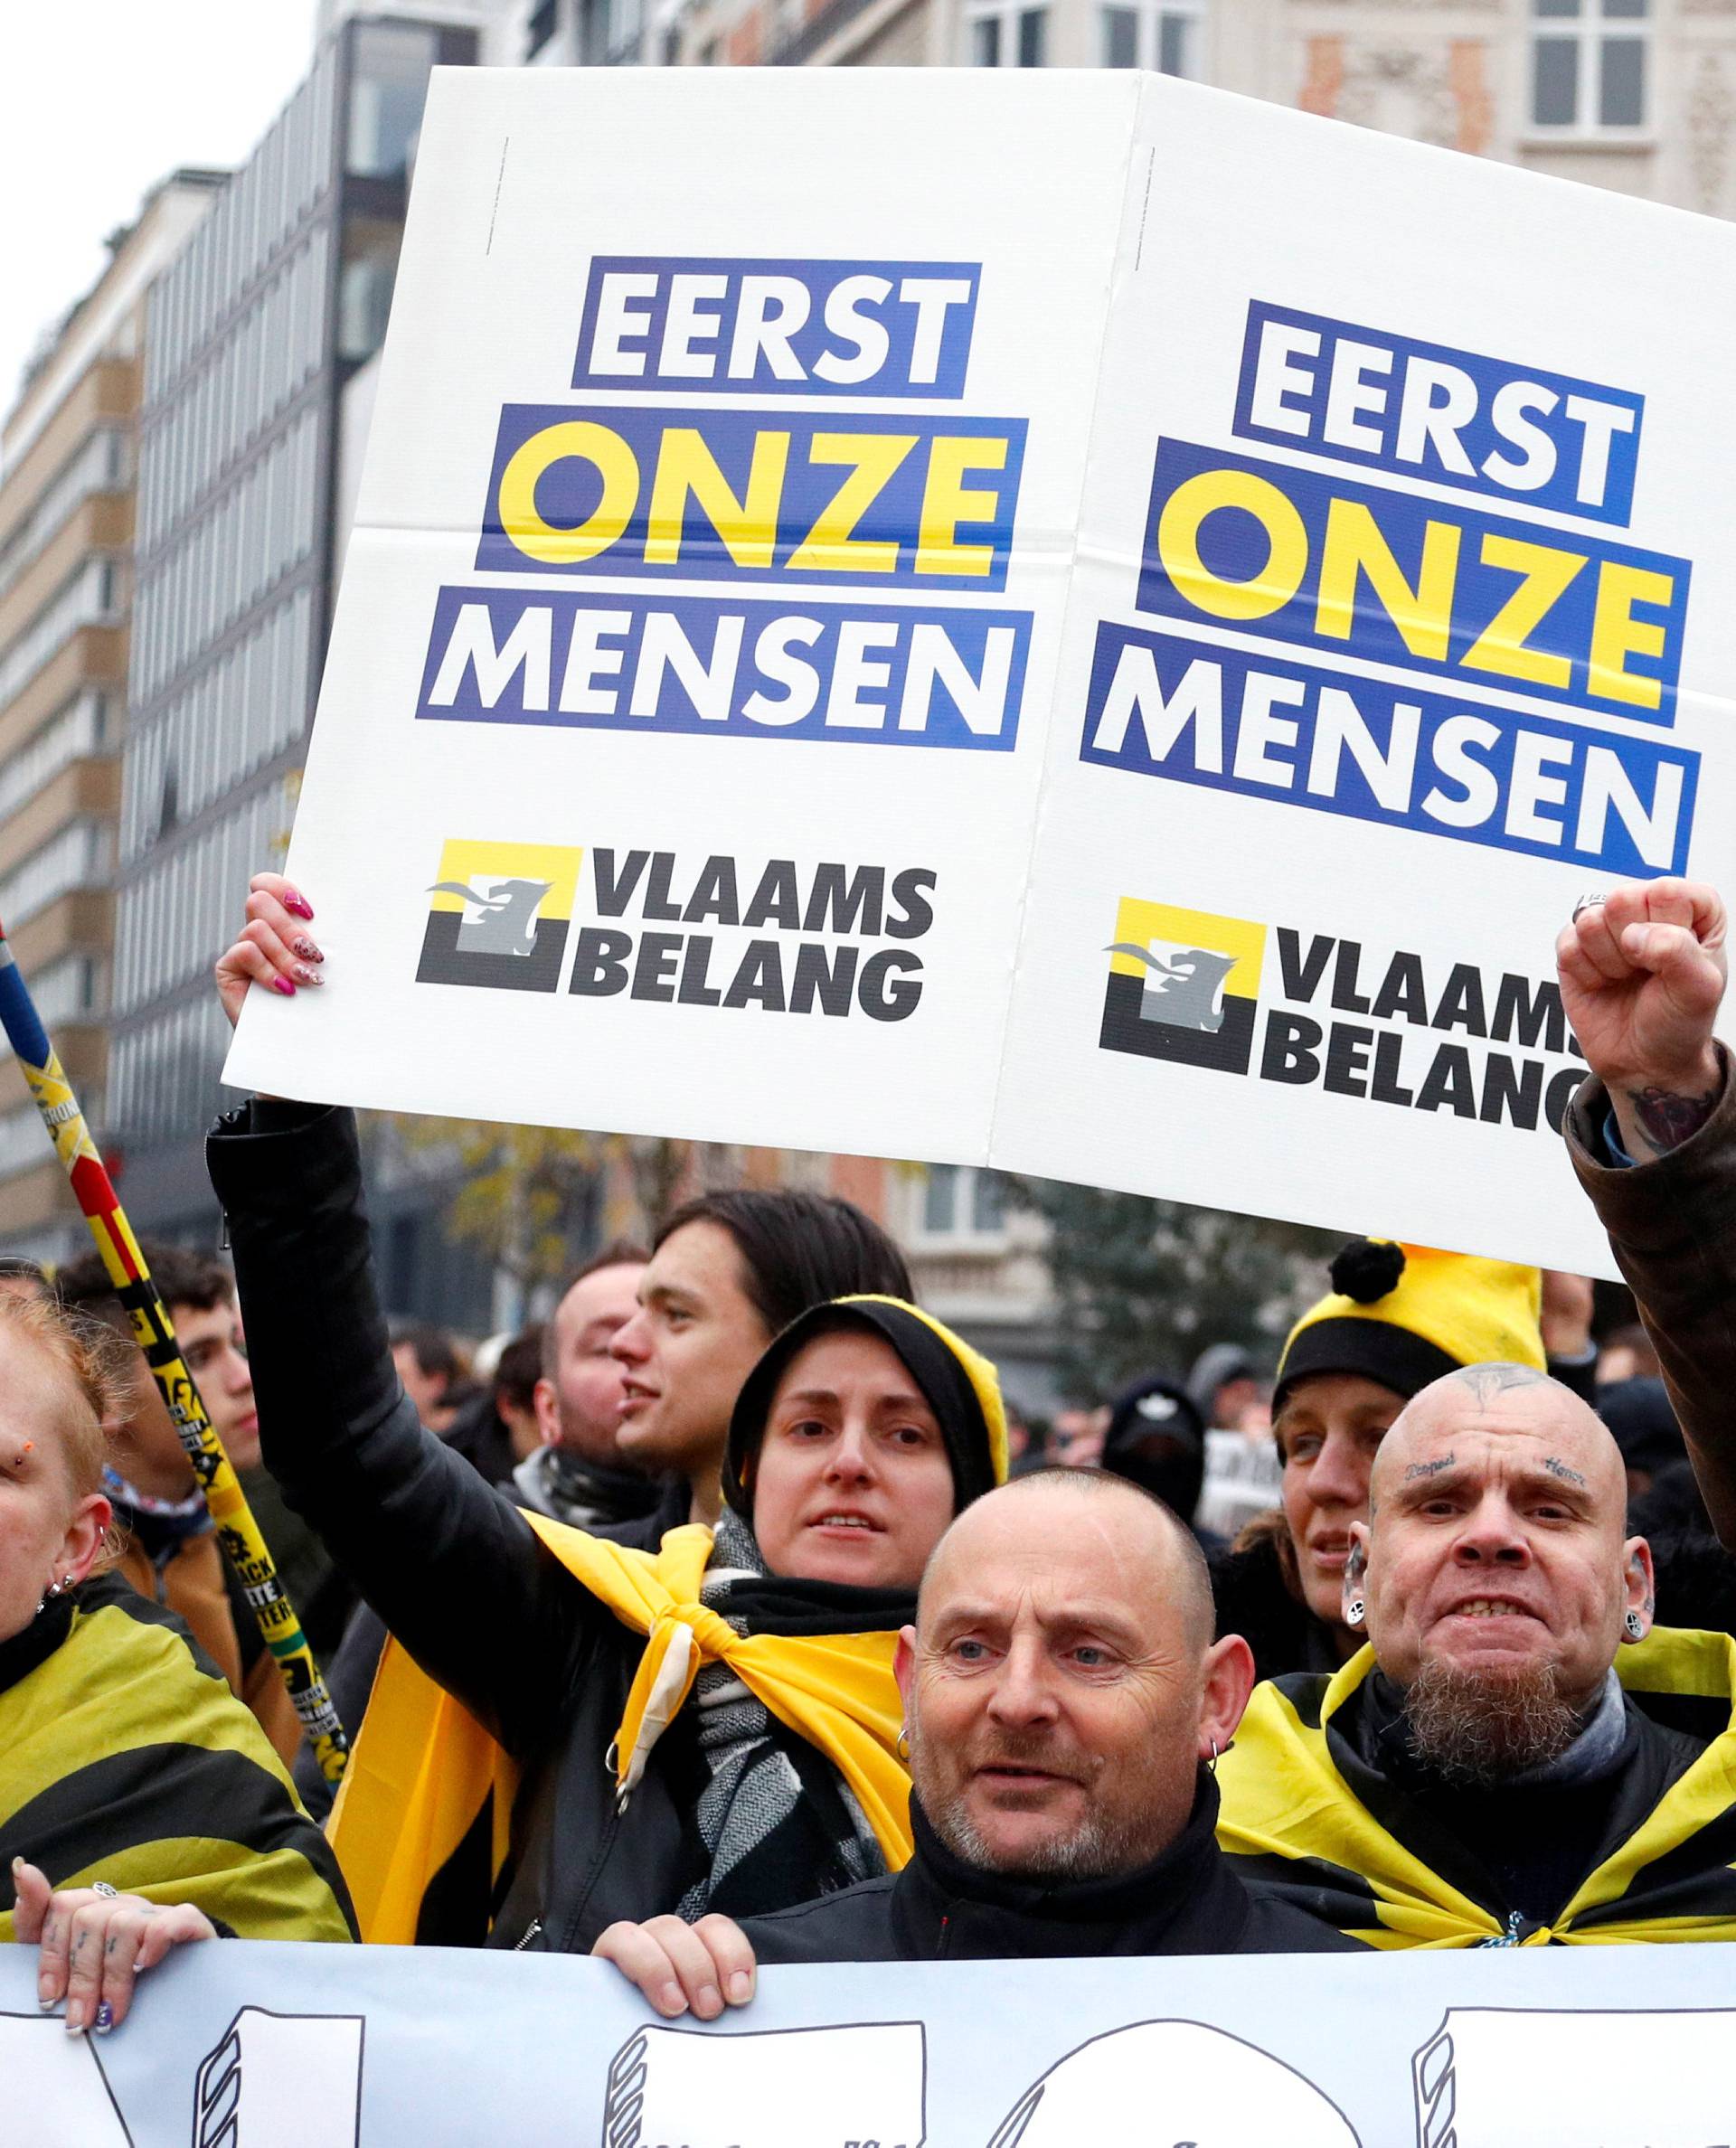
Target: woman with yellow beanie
point(1396, 1318)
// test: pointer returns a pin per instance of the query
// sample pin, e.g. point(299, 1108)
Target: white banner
point(235, 2045)
point(1063, 621)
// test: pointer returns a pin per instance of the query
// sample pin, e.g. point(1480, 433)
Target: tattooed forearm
point(1668, 1118)
point(1559, 1469)
point(1428, 1469)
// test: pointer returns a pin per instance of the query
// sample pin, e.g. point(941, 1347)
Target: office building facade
point(256, 381)
point(68, 461)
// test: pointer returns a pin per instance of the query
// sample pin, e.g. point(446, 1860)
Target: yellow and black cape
point(1286, 1806)
point(125, 1756)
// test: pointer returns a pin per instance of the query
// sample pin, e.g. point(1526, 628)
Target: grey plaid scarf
point(780, 1825)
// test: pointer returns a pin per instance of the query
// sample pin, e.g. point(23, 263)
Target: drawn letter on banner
point(1489, 2077)
point(281, 2081)
point(1164, 2082)
point(788, 2088)
point(52, 2088)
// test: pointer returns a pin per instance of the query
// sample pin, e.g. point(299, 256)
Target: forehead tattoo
point(1428, 1469)
point(1486, 1382)
point(1558, 1468)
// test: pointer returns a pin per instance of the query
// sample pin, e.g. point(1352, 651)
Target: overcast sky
point(101, 100)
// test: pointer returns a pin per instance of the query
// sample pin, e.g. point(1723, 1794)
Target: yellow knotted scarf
point(1284, 1800)
point(424, 1768)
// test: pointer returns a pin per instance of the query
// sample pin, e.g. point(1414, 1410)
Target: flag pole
point(237, 1530)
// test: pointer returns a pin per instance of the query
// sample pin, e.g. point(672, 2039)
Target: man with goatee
point(1518, 1758)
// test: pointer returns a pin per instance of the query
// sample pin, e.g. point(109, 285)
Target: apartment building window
point(79, 728)
point(89, 596)
point(1590, 65)
point(1169, 39)
point(1006, 36)
point(959, 1203)
point(388, 88)
point(100, 464)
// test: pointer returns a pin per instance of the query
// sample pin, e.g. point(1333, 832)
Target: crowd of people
point(729, 1616)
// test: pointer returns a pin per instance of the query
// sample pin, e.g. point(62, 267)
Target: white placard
point(1108, 652)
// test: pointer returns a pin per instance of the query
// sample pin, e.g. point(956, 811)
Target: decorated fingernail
point(284, 985)
point(105, 2018)
point(304, 976)
point(305, 948)
point(298, 904)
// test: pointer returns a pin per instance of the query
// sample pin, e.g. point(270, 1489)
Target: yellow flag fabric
point(1286, 1806)
point(424, 1769)
point(125, 1758)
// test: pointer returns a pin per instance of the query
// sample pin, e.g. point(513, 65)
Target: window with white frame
point(1005, 36)
point(1589, 64)
point(1169, 39)
point(959, 1203)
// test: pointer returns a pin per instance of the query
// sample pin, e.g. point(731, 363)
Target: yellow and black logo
point(499, 916)
point(1182, 985)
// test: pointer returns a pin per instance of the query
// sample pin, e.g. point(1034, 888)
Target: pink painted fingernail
point(305, 948)
point(298, 904)
point(283, 985)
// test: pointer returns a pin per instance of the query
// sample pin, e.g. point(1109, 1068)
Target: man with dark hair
point(513, 1389)
point(1064, 1703)
point(1519, 1758)
point(432, 1369)
point(577, 1474)
point(171, 1552)
point(727, 1273)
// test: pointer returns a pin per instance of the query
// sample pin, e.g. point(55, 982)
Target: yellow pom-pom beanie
point(1404, 1315)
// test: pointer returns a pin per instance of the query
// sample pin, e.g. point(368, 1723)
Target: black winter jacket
point(1188, 1901)
point(451, 1564)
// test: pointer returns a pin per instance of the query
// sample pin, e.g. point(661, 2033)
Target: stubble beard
point(1103, 1845)
point(1479, 1729)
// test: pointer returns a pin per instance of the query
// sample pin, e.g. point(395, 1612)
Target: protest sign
point(238, 2045)
point(1110, 652)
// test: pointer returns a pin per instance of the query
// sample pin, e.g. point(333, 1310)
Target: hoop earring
point(902, 1746)
point(1212, 1764)
point(1355, 1611)
point(55, 1589)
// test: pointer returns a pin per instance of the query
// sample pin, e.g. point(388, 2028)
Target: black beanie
point(921, 1349)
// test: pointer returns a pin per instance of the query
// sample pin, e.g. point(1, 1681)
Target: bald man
point(1512, 1759)
point(1064, 1703)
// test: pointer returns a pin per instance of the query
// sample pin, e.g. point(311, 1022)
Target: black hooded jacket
point(1188, 1901)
